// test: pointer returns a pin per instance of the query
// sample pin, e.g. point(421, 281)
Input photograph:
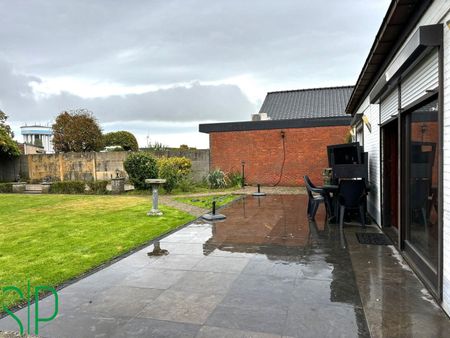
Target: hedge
point(98, 187)
point(68, 187)
point(6, 187)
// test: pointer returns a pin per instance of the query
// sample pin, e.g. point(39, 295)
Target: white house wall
point(372, 146)
point(438, 12)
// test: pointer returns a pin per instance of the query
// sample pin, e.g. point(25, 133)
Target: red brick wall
point(262, 151)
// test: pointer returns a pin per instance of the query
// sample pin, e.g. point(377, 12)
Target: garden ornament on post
point(155, 183)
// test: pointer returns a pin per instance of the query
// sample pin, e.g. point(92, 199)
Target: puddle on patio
point(265, 271)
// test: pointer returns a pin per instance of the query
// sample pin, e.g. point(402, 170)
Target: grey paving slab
point(266, 320)
point(154, 278)
point(144, 327)
point(406, 324)
point(257, 291)
point(176, 262)
point(121, 301)
point(220, 332)
point(318, 320)
point(205, 282)
point(221, 264)
point(82, 325)
point(181, 306)
point(320, 270)
point(332, 292)
point(272, 267)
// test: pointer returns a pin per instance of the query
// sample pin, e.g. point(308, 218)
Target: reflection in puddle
point(267, 225)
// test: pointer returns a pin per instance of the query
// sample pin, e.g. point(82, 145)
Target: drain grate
point(373, 238)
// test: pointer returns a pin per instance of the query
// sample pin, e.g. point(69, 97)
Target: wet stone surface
point(263, 272)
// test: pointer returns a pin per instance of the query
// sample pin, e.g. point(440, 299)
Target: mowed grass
point(49, 239)
point(206, 201)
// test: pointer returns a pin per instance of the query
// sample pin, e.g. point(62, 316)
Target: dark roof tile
point(306, 103)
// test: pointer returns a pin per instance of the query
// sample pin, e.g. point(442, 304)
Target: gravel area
point(191, 209)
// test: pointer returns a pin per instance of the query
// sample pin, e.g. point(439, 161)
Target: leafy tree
point(3, 125)
point(123, 139)
point(78, 131)
point(184, 147)
point(140, 166)
point(8, 147)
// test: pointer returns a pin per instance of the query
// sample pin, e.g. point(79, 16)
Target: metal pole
point(243, 173)
point(214, 207)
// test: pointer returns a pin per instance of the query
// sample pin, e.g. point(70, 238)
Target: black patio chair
point(315, 197)
point(352, 195)
point(420, 193)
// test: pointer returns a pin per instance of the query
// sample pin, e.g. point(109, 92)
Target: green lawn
point(206, 201)
point(49, 239)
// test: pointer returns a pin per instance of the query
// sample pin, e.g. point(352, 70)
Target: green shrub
point(5, 187)
point(234, 179)
point(68, 187)
point(169, 173)
point(217, 179)
point(98, 187)
point(186, 184)
point(122, 139)
point(182, 164)
point(140, 166)
point(173, 170)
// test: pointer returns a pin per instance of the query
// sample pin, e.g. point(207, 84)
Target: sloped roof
point(400, 19)
point(306, 103)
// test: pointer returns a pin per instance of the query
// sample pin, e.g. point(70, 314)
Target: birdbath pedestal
point(155, 183)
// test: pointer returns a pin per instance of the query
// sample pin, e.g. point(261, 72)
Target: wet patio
point(263, 272)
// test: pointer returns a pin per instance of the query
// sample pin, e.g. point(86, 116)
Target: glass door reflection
point(422, 176)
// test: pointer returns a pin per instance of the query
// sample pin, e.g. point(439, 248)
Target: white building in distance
point(38, 136)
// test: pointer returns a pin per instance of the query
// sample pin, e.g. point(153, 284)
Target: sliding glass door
point(421, 188)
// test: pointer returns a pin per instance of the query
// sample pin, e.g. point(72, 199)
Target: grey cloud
point(160, 42)
point(221, 102)
point(195, 103)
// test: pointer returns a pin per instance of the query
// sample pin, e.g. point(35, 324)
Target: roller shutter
point(424, 77)
point(389, 106)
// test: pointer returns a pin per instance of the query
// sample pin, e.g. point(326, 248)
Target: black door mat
point(373, 238)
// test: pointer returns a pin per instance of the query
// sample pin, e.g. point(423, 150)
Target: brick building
point(287, 139)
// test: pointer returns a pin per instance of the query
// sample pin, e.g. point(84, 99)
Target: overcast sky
point(159, 68)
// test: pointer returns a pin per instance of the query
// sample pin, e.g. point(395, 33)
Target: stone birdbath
point(155, 183)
